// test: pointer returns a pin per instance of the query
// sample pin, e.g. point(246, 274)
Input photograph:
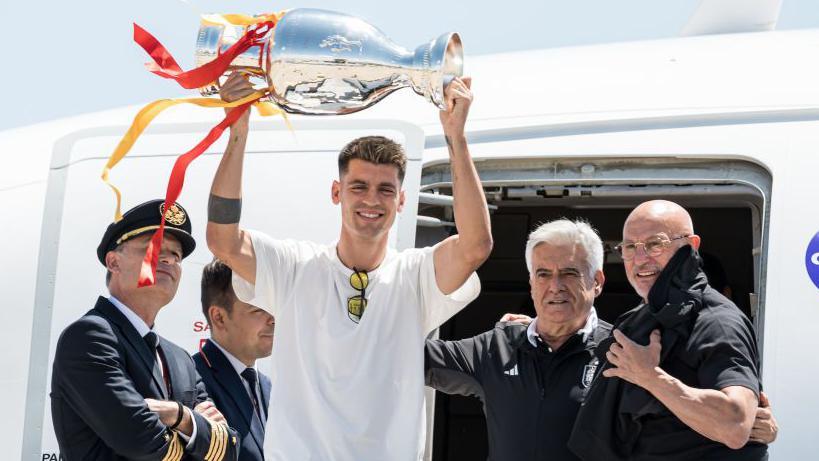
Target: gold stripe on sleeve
point(219, 437)
point(223, 446)
point(212, 443)
point(175, 450)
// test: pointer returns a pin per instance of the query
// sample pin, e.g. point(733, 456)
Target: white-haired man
point(532, 378)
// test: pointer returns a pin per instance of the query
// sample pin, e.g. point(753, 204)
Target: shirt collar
point(237, 364)
point(388, 256)
point(141, 327)
point(588, 328)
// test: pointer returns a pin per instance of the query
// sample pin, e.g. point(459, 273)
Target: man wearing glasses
point(347, 379)
point(680, 376)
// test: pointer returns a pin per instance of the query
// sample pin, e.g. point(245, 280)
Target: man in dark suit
point(240, 334)
point(120, 391)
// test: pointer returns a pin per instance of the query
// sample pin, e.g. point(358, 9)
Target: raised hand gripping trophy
point(321, 62)
point(308, 61)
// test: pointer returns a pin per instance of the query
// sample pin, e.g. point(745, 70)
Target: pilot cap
point(146, 218)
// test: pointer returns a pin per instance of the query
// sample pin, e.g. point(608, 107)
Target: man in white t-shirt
point(352, 316)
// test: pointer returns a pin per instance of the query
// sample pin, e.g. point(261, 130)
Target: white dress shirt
point(240, 367)
point(588, 328)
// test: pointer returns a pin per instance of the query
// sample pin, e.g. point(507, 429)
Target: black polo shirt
point(720, 352)
point(531, 394)
point(707, 343)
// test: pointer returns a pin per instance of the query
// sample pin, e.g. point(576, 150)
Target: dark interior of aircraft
point(727, 243)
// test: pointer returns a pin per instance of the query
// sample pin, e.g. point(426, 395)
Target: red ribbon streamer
point(166, 66)
point(147, 274)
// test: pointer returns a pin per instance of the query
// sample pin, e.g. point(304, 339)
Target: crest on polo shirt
point(174, 215)
point(588, 373)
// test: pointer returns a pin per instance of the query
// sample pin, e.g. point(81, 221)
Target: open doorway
point(728, 213)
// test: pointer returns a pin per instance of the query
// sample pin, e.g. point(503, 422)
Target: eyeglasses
point(356, 304)
point(653, 246)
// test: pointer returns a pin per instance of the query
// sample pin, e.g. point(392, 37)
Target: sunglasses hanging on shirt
point(356, 304)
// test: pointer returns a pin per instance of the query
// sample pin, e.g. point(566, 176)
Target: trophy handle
point(215, 37)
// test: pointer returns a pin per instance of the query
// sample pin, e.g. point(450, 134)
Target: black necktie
point(153, 343)
point(253, 381)
point(152, 339)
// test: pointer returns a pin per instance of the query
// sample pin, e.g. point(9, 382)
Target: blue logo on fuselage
point(812, 260)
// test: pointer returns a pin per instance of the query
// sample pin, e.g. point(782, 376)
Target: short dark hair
point(373, 149)
point(217, 287)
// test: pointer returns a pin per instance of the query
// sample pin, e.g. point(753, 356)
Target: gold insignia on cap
point(175, 215)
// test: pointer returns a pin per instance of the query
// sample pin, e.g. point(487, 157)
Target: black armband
point(178, 416)
point(224, 210)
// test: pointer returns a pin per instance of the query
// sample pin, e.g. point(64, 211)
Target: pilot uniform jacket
point(103, 371)
point(229, 394)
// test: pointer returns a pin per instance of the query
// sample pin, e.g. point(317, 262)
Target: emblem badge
point(588, 373)
point(174, 215)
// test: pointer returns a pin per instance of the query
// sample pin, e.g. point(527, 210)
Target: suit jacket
point(229, 394)
point(103, 370)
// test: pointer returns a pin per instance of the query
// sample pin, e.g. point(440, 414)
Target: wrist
point(654, 379)
point(455, 143)
point(166, 412)
point(178, 415)
point(459, 137)
point(186, 424)
point(240, 127)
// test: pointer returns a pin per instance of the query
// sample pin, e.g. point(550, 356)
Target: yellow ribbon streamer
point(240, 19)
point(150, 111)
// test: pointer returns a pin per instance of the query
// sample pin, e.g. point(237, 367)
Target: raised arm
point(225, 239)
point(460, 255)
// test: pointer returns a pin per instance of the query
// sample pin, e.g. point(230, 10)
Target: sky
point(64, 58)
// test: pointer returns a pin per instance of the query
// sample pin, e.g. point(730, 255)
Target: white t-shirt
point(344, 390)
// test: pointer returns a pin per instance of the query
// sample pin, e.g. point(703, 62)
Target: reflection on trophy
point(322, 62)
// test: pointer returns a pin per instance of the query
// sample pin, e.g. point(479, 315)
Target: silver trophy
point(321, 62)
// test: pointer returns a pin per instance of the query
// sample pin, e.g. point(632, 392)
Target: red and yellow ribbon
point(148, 271)
point(145, 116)
point(166, 66)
